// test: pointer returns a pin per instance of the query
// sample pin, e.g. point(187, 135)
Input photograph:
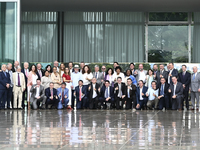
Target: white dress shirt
point(142, 76)
point(37, 92)
point(94, 92)
point(141, 98)
point(174, 89)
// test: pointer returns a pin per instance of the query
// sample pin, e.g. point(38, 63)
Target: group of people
point(72, 86)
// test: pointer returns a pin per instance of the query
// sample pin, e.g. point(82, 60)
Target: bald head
point(16, 64)
point(26, 65)
point(195, 69)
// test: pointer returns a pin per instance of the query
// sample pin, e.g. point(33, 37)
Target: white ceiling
point(112, 5)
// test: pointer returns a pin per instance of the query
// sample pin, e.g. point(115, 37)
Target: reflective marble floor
point(99, 130)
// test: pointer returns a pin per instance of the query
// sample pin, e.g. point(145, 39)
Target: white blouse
point(119, 75)
point(34, 79)
point(86, 75)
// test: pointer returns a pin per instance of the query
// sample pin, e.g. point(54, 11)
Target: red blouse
point(67, 77)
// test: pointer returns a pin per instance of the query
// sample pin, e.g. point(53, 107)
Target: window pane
point(164, 16)
point(168, 44)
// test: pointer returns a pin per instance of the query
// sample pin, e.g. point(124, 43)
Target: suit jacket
point(33, 91)
point(99, 77)
point(48, 93)
point(178, 91)
point(13, 69)
point(39, 74)
point(59, 91)
point(132, 91)
point(97, 86)
point(83, 89)
point(185, 80)
point(174, 73)
point(4, 80)
point(165, 89)
point(164, 74)
point(195, 84)
point(22, 81)
point(138, 74)
point(103, 90)
point(123, 89)
point(144, 90)
point(26, 78)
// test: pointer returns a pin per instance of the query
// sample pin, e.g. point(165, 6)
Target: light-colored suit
point(138, 75)
point(99, 77)
point(195, 85)
point(18, 90)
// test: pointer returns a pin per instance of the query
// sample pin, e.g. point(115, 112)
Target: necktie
point(63, 97)
point(120, 92)
point(18, 80)
point(162, 91)
point(5, 74)
point(128, 93)
point(104, 74)
point(26, 73)
point(161, 72)
point(96, 75)
point(193, 77)
point(52, 94)
point(40, 74)
point(106, 92)
point(80, 94)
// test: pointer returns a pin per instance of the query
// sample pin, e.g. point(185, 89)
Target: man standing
point(98, 75)
point(25, 71)
point(161, 74)
point(141, 74)
point(195, 88)
point(10, 90)
point(62, 93)
point(37, 95)
point(70, 65)
point(141, 96)
point(4, 86)
point(172, 72)
point(155, 70)
point(56, 64)
point(16, 64)
point(103, 71)
point(18, 87)
point(132, 68)
point(40, 72)
point(130, 94)
point(185, 78)
point(82, 64)
point(176, 91)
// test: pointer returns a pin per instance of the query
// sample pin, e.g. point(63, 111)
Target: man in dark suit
point(107, 95)
point(184, 77)
point(176, 90)
point(51, 96)
point(163, 94)
point(130, 94)
point(81, 95)
point(141, 96)
point(94, 92)
point(161, 74)
point(172, 72)
point(40, 71)
point(25, 71)
point(4, 86)
point(120, 93)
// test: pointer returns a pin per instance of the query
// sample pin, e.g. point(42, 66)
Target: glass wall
point(8, 31)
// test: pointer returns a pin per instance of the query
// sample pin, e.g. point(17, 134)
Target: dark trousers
point(129, 103)
point(185, 94)
point(104, 102)
point(177, 103)
point(82, 103)
point(25, 94)
point(164, 102)
point(9, 97)
point(73, 98)
point(142, 104)
point(54, 102)
point(93, 103)
point(117, 102)
point(3, 97)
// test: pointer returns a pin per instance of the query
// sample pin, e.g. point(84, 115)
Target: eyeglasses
point(103, 68)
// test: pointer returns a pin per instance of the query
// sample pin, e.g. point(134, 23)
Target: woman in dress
point(32, 79)
point(67, 79)
point(49, 69)
point(55, 77)
point(109, 76)
point(129, 75)
point(118, 73)
point(87, 75)
point(46, 80)
point(61, 70)
point(149, 78)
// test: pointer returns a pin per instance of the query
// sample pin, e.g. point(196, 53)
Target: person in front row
point(152, 94)
point(107, 95)
point(51, 96)
point(176, 93)
point(81, 95)
point(130, 94)
point(141, 95)
point(63, 99)
point(120, 93)
point(19, 85)
point(37, 95)
point(163, 94)
point(94, 92)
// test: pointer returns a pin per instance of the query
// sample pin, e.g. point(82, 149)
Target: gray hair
point(96, 66)
point(18, 67)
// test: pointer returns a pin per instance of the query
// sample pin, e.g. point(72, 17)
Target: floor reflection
point(97, 129)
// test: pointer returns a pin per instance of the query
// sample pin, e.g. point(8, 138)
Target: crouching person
point(63, 99)
point(152, 95)
point(37, 95)
point(141, 96)
point(51, 96)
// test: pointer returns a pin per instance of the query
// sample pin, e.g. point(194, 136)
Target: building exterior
point(99, 31)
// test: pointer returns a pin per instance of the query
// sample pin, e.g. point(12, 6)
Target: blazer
point(99, 77)
point(97, 86)
point(132, 91)
point(111, 92)
point(33, 91)
point(25, 77)
point(174, 73)
point(22, 81)
point(179, 90)
point(164, 74)
point(185, 80)
point(123, 89)
point(138, 75)
point(59, 91)
point(195, 84)
point(48, 93)
point(83, 89)
point(165, 89)
point(144, 90)
point(29, 84)
point(39, 74)
point(4, 80)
